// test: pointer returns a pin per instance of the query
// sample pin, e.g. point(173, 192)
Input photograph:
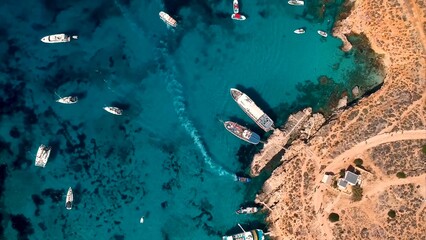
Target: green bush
point(356, 193)
point(358, 162)
point(392, 213)
point(401, 175)
point(424, 149)
point(333, 217)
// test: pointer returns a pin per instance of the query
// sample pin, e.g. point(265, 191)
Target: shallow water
point(168, 158)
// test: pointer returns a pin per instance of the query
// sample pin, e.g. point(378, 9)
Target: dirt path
point(373, 142)
point(384, 184)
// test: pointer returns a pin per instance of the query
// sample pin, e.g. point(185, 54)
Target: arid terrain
point(385, 132)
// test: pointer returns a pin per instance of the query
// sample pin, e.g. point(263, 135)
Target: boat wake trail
point(127, 16)
point(176, 90)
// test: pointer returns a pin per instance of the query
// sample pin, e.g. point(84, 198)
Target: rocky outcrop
point(278, 140)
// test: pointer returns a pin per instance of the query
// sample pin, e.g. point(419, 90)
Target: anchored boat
point(241, 132)
point(236, 15)
point(299, 31)
point(252, 110)
point(58, 38)
point(167, 19)
point(243, 179)
point(70, 199)
point(247, 210)
point(114, 110)
point(296, 2)
point(255, 234)
point(42, 156)
point(68, 100)
point(322, 33)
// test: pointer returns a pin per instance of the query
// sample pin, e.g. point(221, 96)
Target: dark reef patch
point(14, 132)
point(23, 225)
point(3, 176)
point(21, 160)
point(54, 194)
point(246, 153)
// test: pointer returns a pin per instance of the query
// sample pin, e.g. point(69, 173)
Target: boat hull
point(238, 17)
point(235, 6)
point(168, 19)
point(114, 110)
point(296, 3)
point(241, 132)
point(68, 100)
point(322, 33)
point(299, 31)
point(42, 156)
point(252, 110)
point(248, 210)
point(70, 199)
point(255, 234)
point(58, 38)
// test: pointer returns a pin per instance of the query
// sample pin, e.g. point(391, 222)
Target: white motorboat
point(237, 16)
point(69, 199)
point(235, 6)
point(114, 110)
point(247, 210)
point(58, 38)
point(68, 100)
point(42, 156)
point(299, 31)
point(167, 19)
point(296, 2)
point(322, 33)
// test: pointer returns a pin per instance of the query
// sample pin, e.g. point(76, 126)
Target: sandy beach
point(386, 131)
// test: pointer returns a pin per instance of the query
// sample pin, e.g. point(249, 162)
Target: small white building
point(350, 178)
point(327, 179)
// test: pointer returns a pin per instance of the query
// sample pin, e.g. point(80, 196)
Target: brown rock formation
point(387, 130)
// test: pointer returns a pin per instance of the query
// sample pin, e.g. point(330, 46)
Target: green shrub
point(333, 217)
point(358, 162)
point(392, 213)
point(424, 149)
point(356, 193)
point(401, 175)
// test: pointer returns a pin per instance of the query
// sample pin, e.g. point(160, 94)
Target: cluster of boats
point(237, 15)
point(303, 30)
point(254, 112)
point(42, 157)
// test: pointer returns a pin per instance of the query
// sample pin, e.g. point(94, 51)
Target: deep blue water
point(168, 158)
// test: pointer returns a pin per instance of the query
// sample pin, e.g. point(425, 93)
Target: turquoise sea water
point(168, 158)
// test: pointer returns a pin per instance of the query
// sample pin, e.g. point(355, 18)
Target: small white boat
point(68, 100)
point(141, 220)
point(235, 6)
point(247, 210)
point(299, 31)
point(70, 199)
point(58, 38)
point(296, 2)
point(167, 19)
point(42, 156)
point(237, 16)
point(114, 110)
point(322, 33)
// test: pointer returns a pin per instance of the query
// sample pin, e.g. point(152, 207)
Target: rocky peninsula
point(381, 140)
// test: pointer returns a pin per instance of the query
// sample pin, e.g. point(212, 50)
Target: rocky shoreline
point(297, 209)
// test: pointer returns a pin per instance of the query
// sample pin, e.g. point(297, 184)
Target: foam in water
point(175, 89)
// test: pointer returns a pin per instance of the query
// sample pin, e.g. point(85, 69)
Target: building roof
point(327, 179)
point(342, 183)
point(351, 178)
